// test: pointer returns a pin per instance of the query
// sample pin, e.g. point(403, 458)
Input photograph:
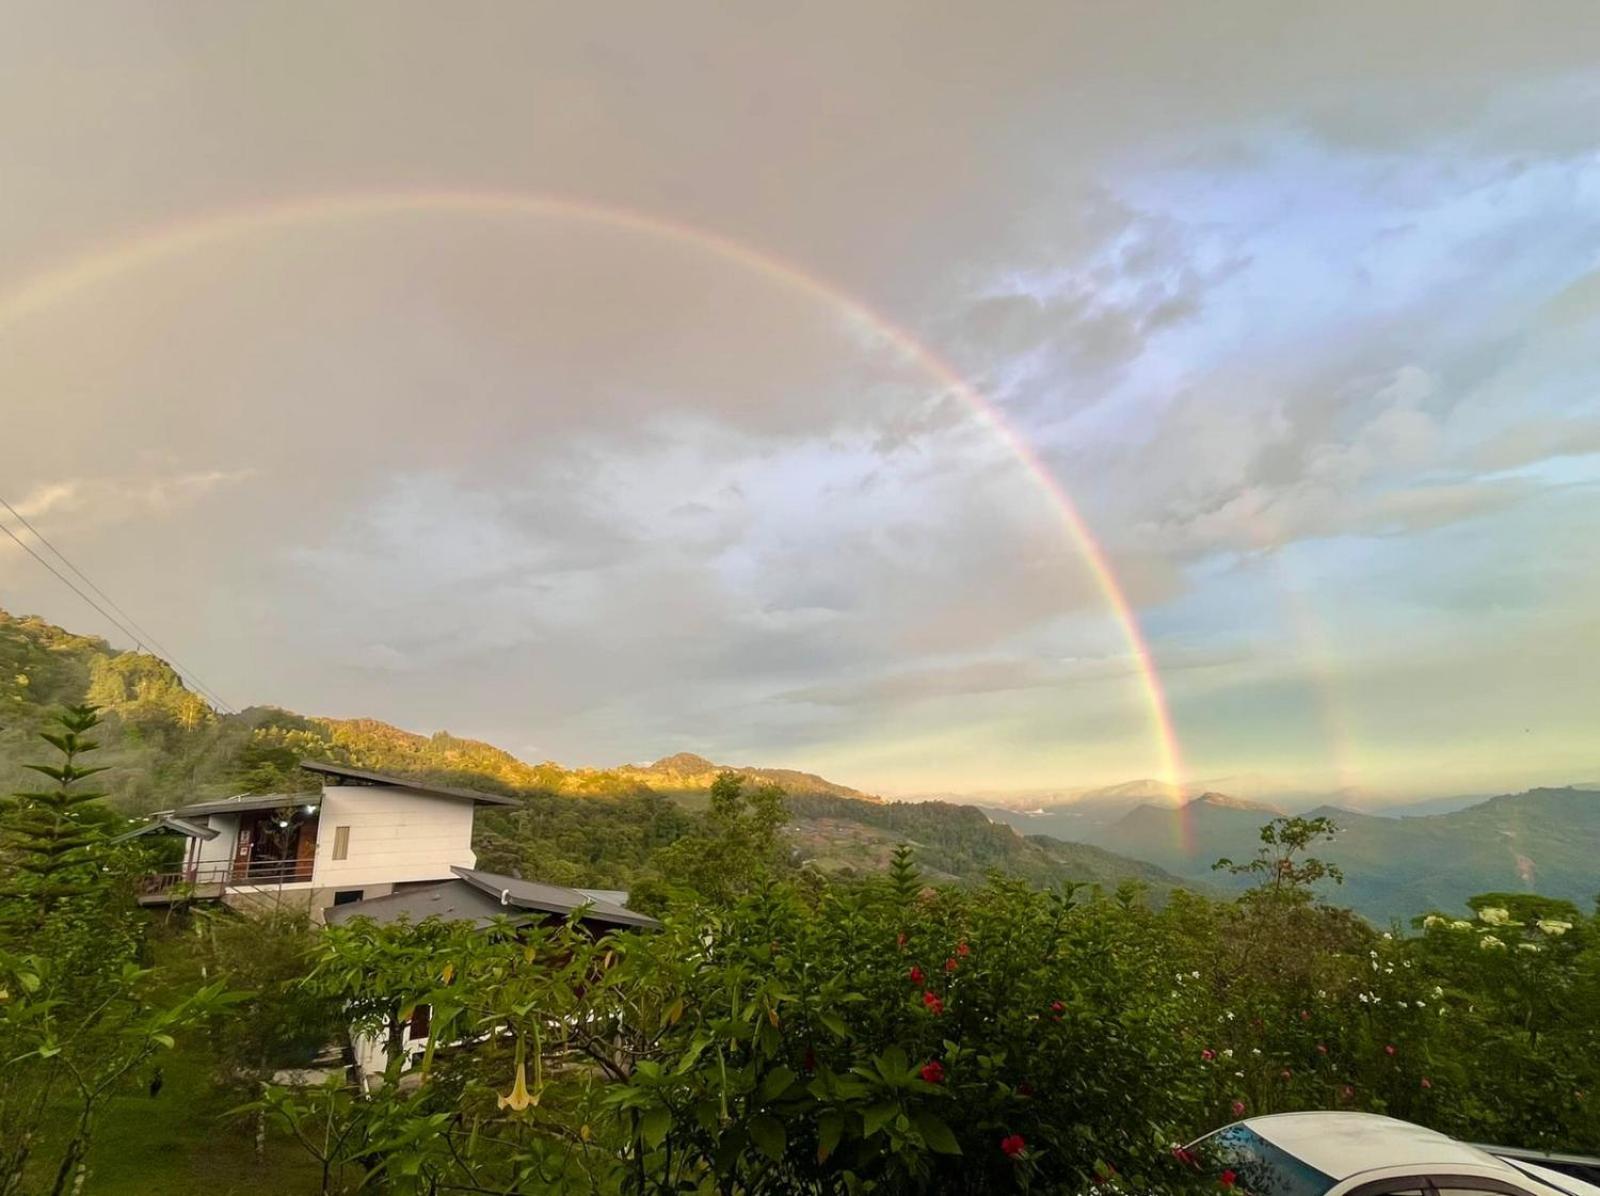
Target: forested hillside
point(597, 827)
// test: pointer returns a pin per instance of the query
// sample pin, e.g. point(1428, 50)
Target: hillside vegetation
point(598, 827)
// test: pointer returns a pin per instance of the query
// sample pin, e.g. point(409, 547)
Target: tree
point(738, 845)
point(78, 1015)
point(52, 838)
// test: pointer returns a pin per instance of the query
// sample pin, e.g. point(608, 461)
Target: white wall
point(394, 836)
point(220, 849)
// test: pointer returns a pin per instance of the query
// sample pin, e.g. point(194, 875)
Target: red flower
point(962, 949)
point(1286, 1075)
point(1305, 1015)
point(1012, 1145)
point(932, 1072)
point(950, 964)
point(1182, 1155)
point(1208, 1054)
point(1427, 1083)
point(934, 1004)
point(1226, 1179)
point(810, 1061)
point(1322, 1048)
point(1347, 1093)
point(1238, 1108)
point(1389, 1049)
point(1024, 1089)
point(900, 940)
point(914, 975)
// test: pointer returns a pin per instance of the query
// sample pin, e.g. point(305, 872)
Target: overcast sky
point(1301, 307)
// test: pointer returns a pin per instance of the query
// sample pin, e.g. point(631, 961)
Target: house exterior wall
point(218, 852)
point(395, 836)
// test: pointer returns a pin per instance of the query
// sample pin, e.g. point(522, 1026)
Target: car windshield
point(1242, 1159)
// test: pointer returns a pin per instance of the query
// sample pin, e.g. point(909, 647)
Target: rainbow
point(50, 287)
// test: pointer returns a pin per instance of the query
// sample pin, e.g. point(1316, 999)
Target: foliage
point(78, 1015)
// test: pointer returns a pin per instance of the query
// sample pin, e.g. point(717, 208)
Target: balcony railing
point(204, 876)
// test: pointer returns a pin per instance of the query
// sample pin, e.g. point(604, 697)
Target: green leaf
point(768, 1135)
point(875, 1117)
point(835, 1024)
point(775, 1082)
point(165, 1040)
point(935, 1133)
point(653, 1126)
point(830, 1126)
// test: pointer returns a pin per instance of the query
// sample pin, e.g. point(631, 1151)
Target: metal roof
point(170, 824)
point(361, 776)
point(249, 801)
point(555, 899)
point(1342, 1144)
point(476, 897)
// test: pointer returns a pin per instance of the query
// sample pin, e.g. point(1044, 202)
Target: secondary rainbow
point(47, 288)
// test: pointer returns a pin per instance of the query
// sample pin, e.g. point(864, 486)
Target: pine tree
point(49, 838)
point(904, 879)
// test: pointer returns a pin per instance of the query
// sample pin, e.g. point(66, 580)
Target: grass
point(182, 1141)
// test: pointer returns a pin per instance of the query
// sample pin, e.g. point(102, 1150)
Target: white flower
point(1374, 965)
point(1437, 992)
point(1431, 921)
point(1374, 954)
point(1489, 942)
point(1387, 935)
point(1230, 1015)
point(1420, 1002)
point(1458, 924)
point(1227, 1052)
point(1389, 970)
point(1195, 975)
point(1255, 1050)
point(1552, 927)
point(1240, 1074)
point(1322, 994)
point(1494, 915)
point(1405, 963)
point(1528, 947)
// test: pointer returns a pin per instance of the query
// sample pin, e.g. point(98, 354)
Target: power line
point(140, 637)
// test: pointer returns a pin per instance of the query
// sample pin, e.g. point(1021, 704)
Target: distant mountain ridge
point(1543, 840)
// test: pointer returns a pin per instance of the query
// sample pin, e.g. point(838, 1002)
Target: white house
point(363, 836)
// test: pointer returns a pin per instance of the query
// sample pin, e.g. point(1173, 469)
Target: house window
point(341, 842)
point(346, 896)
point(419, 1022)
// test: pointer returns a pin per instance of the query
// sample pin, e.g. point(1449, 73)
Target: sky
point(612, 381)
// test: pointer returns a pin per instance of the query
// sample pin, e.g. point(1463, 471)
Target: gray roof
point(170, 824)
point(249, 801)
point(481, 897)
point(361, 776)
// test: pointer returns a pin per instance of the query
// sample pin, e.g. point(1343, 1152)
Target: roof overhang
point(339, 774)
point(248, 801)
point(170, 824)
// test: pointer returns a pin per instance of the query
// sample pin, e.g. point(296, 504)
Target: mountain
point(687, 776)
point(577, 826)
point(1540, 841)
point(841, 834)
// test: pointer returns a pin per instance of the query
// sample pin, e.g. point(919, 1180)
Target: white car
point(1363, 1154)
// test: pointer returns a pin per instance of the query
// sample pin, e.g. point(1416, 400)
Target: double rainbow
point(50, 287)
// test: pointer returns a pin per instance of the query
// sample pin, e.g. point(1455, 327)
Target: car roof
point(1344, 1144)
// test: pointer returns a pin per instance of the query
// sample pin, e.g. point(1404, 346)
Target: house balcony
point(199, 882)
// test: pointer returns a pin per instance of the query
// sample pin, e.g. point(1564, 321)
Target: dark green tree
point(53, 840)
